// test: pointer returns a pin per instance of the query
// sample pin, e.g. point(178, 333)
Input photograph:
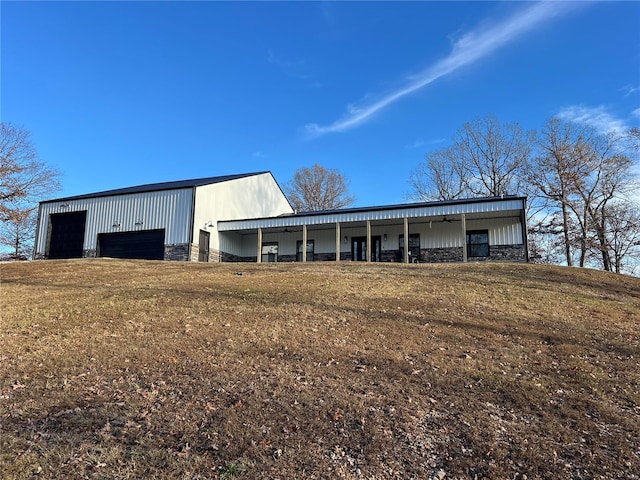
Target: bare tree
point(544, 232)
point(24, 180)
point(494, 156)
point(486, 158)
point(318, 188)
point(439, 177)
point(552, 172)
point(584, 175)
point(623, 230)
point(632, 137)
point(17, 231)
point(605, 188)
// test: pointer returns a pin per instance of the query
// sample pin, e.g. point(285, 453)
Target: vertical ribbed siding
point(411, 212)
point(166, 209)
point(502, 231)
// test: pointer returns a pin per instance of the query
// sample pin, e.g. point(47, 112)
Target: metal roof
point(383, 212)
point(397, 206)
point(154, 187)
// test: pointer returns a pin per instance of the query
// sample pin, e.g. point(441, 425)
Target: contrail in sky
point(472, 47)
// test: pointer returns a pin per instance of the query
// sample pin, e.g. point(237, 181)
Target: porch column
point(464, 237)
point(304, 243)
point(525, 240)
point(338, 241)
point(368, 240)
point(259, 245)
point(406, 240)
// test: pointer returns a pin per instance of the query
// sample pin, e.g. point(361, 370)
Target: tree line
point(583, 193)
point(24, 180)
point(583, 202)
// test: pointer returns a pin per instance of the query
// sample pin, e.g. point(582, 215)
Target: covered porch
point(430, 232)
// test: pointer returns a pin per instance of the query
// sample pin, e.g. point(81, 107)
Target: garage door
point(146, 245)
point(67, 234)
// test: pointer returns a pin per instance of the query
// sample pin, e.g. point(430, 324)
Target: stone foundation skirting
point(324, 257)
point(442, 255)
point(184, 252)
point(510, 253)
point(193, 252)
point(317, 257)
point(178, 252)
point(390, 256)
point(230, 257)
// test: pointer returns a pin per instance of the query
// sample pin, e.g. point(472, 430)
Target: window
point(309, 251)
point(478, 243)
point(270, 252)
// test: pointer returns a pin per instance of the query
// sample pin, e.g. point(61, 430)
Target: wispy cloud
point(472, 47)
point(636, 112)
point(416, 144)
point(259, 155)
point(424, 143)
point(630, 89)
point(596, 117)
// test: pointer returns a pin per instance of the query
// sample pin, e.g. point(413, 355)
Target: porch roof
point(481, 207)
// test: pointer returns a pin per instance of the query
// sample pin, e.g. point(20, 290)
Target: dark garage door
point(146, 245)
point(67, 234)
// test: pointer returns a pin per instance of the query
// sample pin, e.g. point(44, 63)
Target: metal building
point(170, 221)
point(247, 218)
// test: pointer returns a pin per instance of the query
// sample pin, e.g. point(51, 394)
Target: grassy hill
point(132, 369)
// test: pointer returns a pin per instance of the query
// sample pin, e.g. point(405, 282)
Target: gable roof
point(154, 187)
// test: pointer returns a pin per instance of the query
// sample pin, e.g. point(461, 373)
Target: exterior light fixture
point(116, 224)
point(346, 239)
point(384, 237)
point(64, 205)
point(139, 222)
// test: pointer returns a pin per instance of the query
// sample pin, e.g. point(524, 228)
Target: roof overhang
point(474, 208)
point(155, 187)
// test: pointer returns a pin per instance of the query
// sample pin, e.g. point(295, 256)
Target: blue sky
point(122, 93)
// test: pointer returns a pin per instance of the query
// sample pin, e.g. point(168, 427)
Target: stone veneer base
point(184, 252)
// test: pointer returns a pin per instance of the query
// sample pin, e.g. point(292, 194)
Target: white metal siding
point(249, 245)
point(502, 231)
point(231, 242)
point(255, 196)
point(375, 215)
point(167, 209)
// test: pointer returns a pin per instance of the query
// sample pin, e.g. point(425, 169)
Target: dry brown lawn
point(132, 369)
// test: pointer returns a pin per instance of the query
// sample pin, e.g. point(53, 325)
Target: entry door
point(359, 249)
point(203, 250)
